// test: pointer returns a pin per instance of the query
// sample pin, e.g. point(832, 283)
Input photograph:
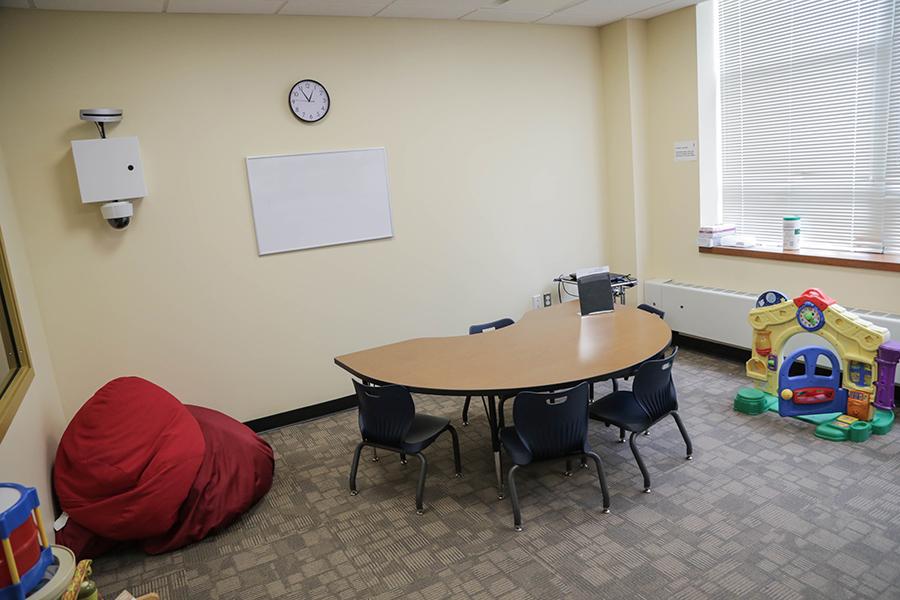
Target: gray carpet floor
point(765, 510)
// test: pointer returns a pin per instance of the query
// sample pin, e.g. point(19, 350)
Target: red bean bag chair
point(137, 465)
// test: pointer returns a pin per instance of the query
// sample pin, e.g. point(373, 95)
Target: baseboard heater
point(720, 315)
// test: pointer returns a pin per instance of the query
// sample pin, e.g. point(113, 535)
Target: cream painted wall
point(637, 61)
point(29, 446)
point(624, 116)
point(618, 146)
point(493, 137)
point(674, 206)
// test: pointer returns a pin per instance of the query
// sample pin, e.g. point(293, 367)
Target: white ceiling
point(555, 12)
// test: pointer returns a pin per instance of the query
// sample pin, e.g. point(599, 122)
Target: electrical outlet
point(536, 301)
point(548, 299)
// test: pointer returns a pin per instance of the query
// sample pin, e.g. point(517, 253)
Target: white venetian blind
point(809, 95)
point(891, 226)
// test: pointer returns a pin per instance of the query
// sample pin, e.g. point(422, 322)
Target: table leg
point(495, 443)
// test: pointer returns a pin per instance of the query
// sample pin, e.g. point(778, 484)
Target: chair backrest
point(653, 387)
point(498, 324)
point(552, 423)
point(385, 413)
point(652, 310)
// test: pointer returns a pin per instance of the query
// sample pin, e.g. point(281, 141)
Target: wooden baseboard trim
point(298, 415)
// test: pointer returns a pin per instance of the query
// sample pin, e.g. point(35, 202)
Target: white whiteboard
point(305, 201)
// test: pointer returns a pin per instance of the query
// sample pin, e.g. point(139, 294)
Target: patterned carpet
point(765, 510)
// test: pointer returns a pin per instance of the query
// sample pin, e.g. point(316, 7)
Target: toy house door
point(809, 393)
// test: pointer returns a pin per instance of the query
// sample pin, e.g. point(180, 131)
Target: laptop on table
point(595, 294)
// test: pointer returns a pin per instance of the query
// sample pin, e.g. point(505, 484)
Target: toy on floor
point(126, 595)
point(854, 400)
point(81, 587)
point(26, 551)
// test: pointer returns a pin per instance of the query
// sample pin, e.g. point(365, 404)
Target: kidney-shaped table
point(548, 349)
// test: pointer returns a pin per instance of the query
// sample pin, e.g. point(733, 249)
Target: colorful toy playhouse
point(852, 399)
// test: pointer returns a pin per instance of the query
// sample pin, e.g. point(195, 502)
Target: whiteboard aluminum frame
point(387, 184)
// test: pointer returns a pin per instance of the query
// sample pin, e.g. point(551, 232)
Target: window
point(809, 120)
point(15, 368)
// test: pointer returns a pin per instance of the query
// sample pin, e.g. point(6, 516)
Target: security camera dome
point(117, 214)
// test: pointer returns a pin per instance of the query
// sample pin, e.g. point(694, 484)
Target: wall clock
point(309, 100)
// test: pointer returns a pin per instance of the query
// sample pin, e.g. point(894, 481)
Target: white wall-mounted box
point(109, 169)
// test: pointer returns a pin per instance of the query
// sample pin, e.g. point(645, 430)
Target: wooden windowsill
point(858, 260)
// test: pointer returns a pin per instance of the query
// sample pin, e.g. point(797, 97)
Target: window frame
point(17, 382)
point(710, 140)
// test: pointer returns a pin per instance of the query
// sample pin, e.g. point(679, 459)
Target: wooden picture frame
point(14, 384)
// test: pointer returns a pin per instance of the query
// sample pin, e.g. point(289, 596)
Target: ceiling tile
point(104, 5)
point(432, 9)
point(533, 6)
point(507, 16)
point(599, 12)
point(338, 8)
point(663, 9)
point(14, 4)
point(259, 7)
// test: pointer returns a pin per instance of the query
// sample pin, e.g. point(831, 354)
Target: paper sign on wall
point(686, 150)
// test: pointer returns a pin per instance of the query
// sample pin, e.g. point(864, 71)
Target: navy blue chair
point(498, 324)
point(388, 420)
point(652, 310)
point(631, 372)
point(548, 425)
point(651, 399)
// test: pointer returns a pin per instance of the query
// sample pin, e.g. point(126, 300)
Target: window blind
point(891, 222)
point(810, 120)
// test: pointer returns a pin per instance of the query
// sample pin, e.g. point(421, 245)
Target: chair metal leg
point(374, 454)
point(603, 489)
point(403, 458)
point(465, 415)
point(684, 434)
point(495, 444)
point(514, 498)
point(621, 435)
point(615, 385)
point(640, 462)
point(568, 472)
point(583, 461)
point(354, 466)
point(591, 391)
point(420, 489)
point(456, 459)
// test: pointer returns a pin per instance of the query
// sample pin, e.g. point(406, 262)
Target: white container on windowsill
point(791, 233)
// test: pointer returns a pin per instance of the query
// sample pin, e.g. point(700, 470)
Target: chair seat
point(423, 431)
point(515, 447)
point(622, 410)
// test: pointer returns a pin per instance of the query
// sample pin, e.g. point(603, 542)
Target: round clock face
point(309, 100)
point(810, 317)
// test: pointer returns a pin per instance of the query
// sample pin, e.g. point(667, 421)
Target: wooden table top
point(549, 348)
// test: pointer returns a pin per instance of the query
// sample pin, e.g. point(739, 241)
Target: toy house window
point(15, 368)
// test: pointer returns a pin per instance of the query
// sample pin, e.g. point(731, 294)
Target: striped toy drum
point(26, 552)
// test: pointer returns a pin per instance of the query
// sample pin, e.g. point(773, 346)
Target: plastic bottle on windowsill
point(791, 233)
